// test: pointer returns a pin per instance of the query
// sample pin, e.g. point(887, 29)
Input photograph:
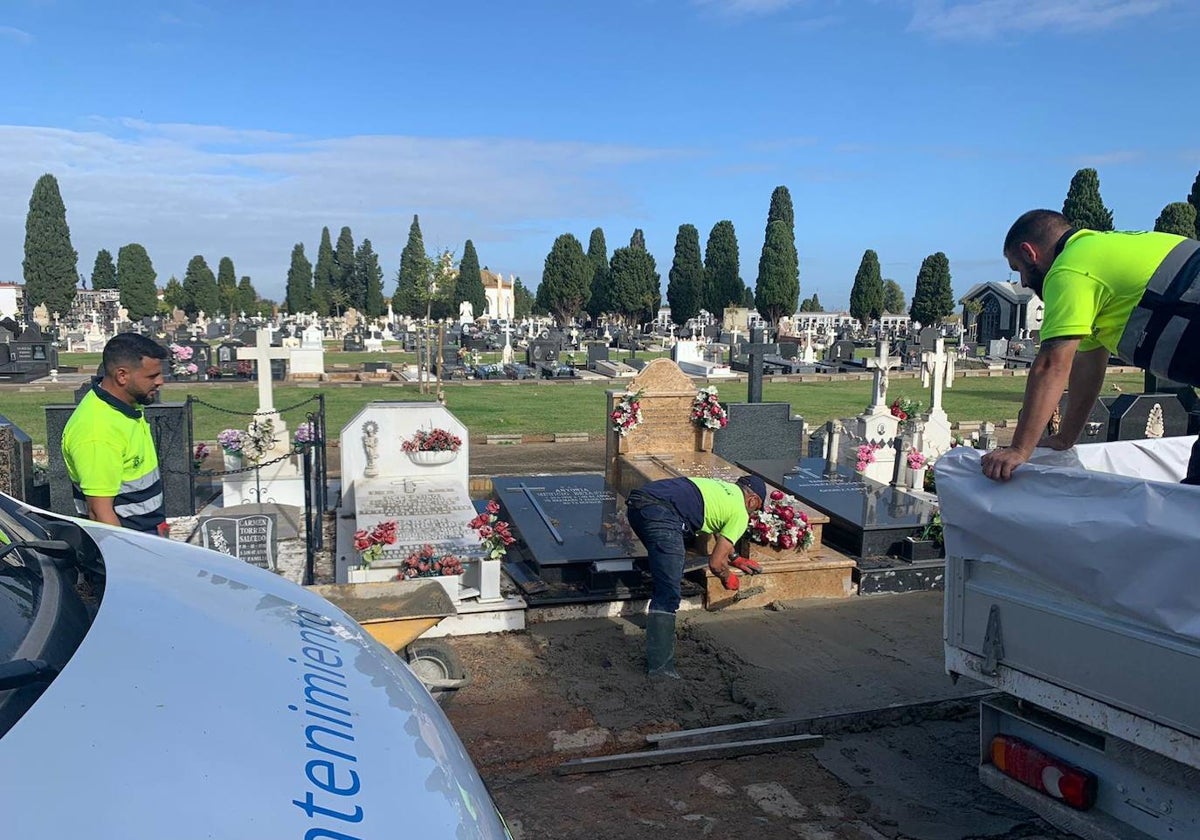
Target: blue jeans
point(660, 529)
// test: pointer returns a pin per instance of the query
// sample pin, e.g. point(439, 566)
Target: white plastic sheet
point(1105, 523)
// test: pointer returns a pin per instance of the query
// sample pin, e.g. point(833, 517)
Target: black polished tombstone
point(16, 462)
point(760, 431)
point(570, 529)
point(354, 343)
point(597, 352)
point(33, 356)
point(541, 351)
point(841, 350)
point(866, 518)
point(1140, 416)
point(226, 356)
point(170, 427)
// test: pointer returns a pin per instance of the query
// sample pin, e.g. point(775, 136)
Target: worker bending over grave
point(664, 514)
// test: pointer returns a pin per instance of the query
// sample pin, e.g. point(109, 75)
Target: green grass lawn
point(546, 407)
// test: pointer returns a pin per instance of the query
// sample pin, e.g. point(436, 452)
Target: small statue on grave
point(371, 448)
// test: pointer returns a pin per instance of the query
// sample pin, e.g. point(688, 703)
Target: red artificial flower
point(362, 541)
point(493, 506)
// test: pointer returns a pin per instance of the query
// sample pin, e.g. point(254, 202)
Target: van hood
point(213, 699)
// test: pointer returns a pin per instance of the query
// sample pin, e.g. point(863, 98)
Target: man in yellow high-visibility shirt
point(107, 445)
point(1134, 295)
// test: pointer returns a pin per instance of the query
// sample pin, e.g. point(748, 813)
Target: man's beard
point(146, 399)
point(1034, 279)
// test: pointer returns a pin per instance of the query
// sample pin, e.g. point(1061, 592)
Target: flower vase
point(916, 478)
point(432, 458)
point(232, 461)
point(704, 439)
point(452, 584)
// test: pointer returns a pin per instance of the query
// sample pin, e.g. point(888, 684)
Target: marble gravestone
point(425, 494)
point(248, 537)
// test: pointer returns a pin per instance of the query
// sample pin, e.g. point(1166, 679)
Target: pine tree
point(50, 265)
point(411, 277)
point(136, 280)
point(1179, 218)
point(470, 281)
point(866, 295)
point(343, 271)
point(597, 253)
point(247, 297)
point(778, 289)
point(199, 288)
point(1194, 200)
point(933, 299)
point(566, 279)
point(322, 284)
point(635, 283)
point(893, 297)
point(1083, 207)
point(104, 272)
point(369, 276)
point(685, 281)
point(299, 282)
point(173, 294)
point(722, 272)
point(227, 292)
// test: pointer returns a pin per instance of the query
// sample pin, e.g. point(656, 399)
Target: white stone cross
point(937, 365)
point(881, 364)
point(261, 354)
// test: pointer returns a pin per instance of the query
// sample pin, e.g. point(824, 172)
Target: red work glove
point(731, 582)
point(746, 565)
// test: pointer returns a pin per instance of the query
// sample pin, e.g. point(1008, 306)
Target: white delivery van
point(151, 689)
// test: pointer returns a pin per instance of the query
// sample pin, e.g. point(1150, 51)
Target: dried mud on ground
point(572, 688)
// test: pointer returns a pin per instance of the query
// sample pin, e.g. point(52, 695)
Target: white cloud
point(981, 19)
point(11, 33)
point(194, 189)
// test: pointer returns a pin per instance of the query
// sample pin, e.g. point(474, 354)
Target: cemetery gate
point(306, 446)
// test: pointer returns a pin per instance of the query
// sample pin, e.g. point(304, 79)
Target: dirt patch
point(566, 689)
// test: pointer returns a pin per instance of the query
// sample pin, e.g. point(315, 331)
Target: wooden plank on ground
point(678, 755)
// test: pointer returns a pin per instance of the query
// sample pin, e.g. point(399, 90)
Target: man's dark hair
point(128, 350)
point(1042, 227)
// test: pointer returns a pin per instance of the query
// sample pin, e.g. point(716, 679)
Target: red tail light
point(1043, 772)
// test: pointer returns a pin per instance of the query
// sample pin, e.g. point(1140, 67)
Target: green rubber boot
point(660, 645)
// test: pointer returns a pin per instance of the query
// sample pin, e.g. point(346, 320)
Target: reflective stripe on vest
point(138, 504)
point(1163, 332)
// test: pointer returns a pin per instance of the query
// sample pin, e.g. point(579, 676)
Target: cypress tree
point(411, 279)
point(369, 276)
point(778, 289)
point(470, 281)
point(50, 265)
point(566, 279)
point(104, 272)
point(597, 253)
point(781, 208)
point(893, 297)
point(135, 279)
point(522, 300)
point(322, 285)
point(722, 271)
point(932, 299)
point(247, 297)
point(173, 295)
point(227, 292)
point(638, 239)
point(1194, 200)
point(299, 282)
point(866, 295)
point(635, 281)
point(199, 288)
point(685, 281)
point(1083, 206)
point(344, 277)
point(1178, 217)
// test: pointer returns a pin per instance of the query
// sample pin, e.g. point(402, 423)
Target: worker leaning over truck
point(1135, 295)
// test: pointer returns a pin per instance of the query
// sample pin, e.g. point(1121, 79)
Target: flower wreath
point(707, 411)
point(781, 523)
point(628, 413)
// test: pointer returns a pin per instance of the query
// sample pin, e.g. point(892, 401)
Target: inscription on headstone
point(424, 510)
point(249, 538)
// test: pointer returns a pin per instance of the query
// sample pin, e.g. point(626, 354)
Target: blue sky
point(906, 126)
